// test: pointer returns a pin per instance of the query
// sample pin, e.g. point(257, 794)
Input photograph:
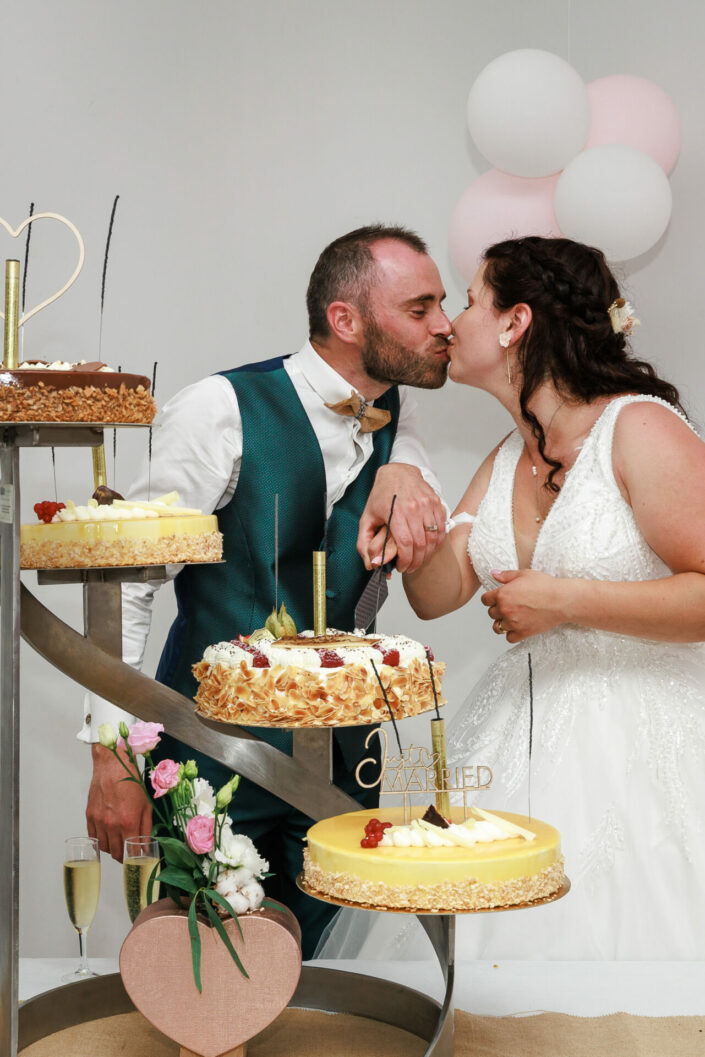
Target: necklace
point(534, 469)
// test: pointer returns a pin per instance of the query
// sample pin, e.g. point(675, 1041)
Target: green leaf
point(151, 881)
point(177, 853)
point(272, 903)
point(220, 929)
point(195, 943)
point(210, 893)
point(182, 879)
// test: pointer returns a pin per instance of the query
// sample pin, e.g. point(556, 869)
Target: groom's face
point(406, 332)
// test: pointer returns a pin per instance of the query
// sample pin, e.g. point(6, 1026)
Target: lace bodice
point(590, 531)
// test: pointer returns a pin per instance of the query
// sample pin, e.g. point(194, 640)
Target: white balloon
point(529, 112)
point(616, 198)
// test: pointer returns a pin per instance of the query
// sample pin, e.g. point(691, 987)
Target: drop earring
point(504, 340)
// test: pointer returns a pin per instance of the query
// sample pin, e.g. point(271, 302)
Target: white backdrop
point(241, 138)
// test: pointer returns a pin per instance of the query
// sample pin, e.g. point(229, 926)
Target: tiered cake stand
point(303, 780)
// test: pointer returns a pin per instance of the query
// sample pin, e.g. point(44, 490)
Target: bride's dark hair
point(570, 340)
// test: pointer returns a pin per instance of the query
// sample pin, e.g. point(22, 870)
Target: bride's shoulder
point(652, 419)
point(654, 432)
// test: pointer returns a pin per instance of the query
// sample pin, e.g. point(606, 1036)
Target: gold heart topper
point(81, 254)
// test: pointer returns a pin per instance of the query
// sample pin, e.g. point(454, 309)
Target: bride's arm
point(447, 580)
point(659, 465)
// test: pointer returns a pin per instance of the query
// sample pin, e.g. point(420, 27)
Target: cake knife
point(375, 594)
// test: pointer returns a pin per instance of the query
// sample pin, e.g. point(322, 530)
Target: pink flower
point(144, 737)
point(164, 777)
point(200, 834)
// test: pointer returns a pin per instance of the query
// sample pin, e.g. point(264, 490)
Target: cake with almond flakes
point(305, 680)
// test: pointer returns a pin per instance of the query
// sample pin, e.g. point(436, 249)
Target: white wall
point(241, 138)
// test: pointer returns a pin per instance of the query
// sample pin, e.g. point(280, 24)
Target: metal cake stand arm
point(305, 787)
point(9, 739)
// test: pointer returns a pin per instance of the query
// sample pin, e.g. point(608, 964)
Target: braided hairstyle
point(570, 340)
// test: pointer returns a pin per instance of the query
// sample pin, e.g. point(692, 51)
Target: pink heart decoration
point(156, 969)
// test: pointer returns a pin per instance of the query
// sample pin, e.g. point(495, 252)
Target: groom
point(287, 426)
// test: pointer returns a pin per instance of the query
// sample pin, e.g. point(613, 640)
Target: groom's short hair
point(346, 271)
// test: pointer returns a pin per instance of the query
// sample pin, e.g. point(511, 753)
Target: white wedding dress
point(618, 741)
point(618, 746)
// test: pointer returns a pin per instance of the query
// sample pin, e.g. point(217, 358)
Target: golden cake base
point(315, 894)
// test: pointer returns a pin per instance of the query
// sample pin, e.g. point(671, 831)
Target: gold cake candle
point(100, 476)
point(440, 763)
point(319, 593)
point(12, 304)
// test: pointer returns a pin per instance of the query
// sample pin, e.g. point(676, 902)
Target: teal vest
point(280, 456)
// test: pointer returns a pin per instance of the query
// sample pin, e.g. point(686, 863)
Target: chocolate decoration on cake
point(106, 496)
point(434, 817)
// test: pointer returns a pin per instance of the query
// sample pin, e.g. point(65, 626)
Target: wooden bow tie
point(369, 417)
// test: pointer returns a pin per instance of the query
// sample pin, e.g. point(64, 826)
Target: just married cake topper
point(418, 771)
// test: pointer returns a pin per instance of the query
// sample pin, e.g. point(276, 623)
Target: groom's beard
point(391, 362)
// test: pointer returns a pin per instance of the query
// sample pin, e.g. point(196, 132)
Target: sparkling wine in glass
point(81, 890)
point(140, 857)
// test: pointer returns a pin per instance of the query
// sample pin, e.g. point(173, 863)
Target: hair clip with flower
point(622, 316)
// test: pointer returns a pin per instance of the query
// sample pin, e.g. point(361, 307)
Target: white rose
point(235, 849)
point(203, 800)
point(231, 847)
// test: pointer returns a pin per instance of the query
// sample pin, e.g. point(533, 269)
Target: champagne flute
point(140, 857)
point(81, 890)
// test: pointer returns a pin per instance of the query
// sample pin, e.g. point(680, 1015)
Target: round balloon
point(529, 112)
point(635, 112)
point(494, 207)
point(616, 198)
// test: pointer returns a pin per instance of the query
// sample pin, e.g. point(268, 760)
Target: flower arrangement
point(218, 870)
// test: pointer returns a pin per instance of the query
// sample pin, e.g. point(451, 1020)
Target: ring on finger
point(501, 629)
point(431, 528)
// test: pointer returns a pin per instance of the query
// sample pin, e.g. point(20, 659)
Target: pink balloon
point(497, 206)
point(637, 113)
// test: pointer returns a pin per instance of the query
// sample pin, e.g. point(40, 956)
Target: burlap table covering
point(299, 1033)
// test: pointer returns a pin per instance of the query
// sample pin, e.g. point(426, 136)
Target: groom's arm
point(409, 477)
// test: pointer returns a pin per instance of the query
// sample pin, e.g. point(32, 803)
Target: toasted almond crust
point(303, 697)
point(44, 403)
point(444, 897)
point(166, 550)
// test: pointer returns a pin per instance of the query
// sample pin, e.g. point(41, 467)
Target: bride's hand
point(377, 544)
point(526, 603)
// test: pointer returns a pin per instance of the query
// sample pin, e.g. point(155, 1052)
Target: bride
point(587, 543)
point(584, 531)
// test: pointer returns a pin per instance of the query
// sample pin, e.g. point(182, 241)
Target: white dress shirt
point(197, 450)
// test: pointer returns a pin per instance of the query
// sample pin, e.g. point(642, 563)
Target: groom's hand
point(418, 521)
point(116, 809)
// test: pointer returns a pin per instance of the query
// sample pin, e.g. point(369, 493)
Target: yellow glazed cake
point(302, 680)
point(514, 860)
point(38, 391)
point(119, 534)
